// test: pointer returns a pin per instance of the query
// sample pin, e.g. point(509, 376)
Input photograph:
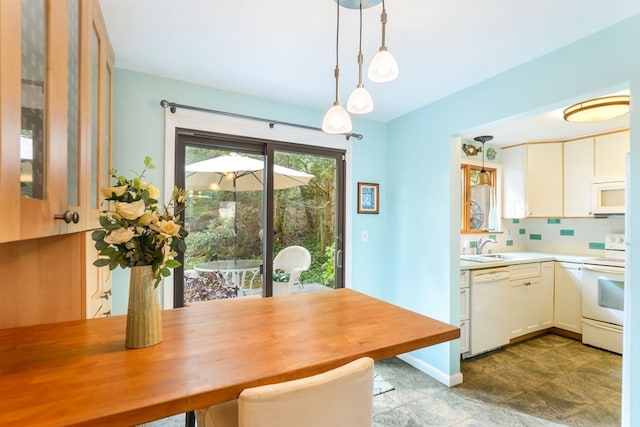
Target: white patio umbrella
point(233, 172)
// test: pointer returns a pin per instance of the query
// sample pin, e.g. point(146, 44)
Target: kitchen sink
point(490, 257)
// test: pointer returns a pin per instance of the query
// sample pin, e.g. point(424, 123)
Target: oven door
point(603, 293)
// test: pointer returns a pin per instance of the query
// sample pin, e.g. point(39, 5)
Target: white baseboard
point(448, 380)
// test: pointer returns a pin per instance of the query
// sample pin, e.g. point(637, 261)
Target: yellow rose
point(148, 218)
point(121, 235)
point(133, 210)
point(108, 192)
point(154, 193)
point(167, 228)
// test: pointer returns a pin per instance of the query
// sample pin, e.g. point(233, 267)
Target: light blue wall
point(411, 257)
point(139, 132)
point(423, 182)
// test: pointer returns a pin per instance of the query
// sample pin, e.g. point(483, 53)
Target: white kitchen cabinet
point(464, 311)
point(568, 296)
point(532, 180)
point(610, 151)
point(531, 297)
point(578, 176)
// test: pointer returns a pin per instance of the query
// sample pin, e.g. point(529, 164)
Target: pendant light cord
point(337, 70)
point(360, 57)
point(383, 20)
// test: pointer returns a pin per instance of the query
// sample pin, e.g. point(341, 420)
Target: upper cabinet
point(558, 179)
point(610, 151)
point(578, 176)
point(56, 95)
point(532, 180)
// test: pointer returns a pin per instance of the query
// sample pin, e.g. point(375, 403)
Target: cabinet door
point(544, 183)
point(568, 296)
point(464, 336)
point(578, 176)
point(518, 299)
point(610, 152)
point(513, 182)
point(37, 153)
point(545, 295)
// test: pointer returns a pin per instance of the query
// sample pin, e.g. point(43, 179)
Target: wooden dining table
point(80, 373)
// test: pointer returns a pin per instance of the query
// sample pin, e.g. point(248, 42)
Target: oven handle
point(600, 269)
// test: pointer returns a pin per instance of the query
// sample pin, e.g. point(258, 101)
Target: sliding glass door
point(252, 200)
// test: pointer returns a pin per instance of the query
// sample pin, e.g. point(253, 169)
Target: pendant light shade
point(484, 178)
point(337, 120)
point(383, 67)
point(360, 101)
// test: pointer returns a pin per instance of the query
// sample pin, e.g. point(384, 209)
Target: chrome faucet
point(483, 241)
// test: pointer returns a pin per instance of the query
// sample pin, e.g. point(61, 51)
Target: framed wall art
point(368, 198)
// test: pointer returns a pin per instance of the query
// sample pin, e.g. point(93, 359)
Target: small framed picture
point(368, 198)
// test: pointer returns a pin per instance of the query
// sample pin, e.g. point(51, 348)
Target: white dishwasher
point(489, 310)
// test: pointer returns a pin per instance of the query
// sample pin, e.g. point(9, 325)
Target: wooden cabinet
point(56, 79)
point(47, 116)
point(610, 152)
point(578, 177)
point(531, 297)
point(464, 311)
point(532, 180)
point(568, 296)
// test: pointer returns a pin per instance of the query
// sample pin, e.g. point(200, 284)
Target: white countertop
point(523, 258)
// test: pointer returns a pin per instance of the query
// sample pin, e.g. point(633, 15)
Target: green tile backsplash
point(596, 245)
point(566, 232)
point(553, 220)
point(535, 236)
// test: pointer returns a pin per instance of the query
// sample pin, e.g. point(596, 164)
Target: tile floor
point(546, 381)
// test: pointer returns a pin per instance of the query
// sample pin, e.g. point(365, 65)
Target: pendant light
point(383, 67)
point(483, 178)
point(360, 101)
point(337, 120)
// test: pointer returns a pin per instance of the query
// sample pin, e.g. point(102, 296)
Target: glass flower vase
point(144, 316)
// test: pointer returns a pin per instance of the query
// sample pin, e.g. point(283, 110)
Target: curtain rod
point(173, 106)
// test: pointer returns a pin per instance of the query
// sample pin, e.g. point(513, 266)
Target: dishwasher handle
point(490, 277)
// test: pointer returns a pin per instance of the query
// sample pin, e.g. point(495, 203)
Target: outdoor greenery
point(304, 216)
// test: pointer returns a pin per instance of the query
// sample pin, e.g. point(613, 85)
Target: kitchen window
point(480, 208)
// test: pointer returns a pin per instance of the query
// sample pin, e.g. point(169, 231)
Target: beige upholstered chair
point(292, 260)
point(341, 397)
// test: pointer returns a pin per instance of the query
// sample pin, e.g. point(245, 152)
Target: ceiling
point(284, 50)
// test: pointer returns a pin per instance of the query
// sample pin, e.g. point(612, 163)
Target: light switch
point(365, 235)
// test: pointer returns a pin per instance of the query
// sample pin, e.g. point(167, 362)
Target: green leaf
point(101, 262)
point(98, 235)
point(172, 263)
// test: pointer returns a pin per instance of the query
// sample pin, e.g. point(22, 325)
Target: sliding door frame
point(267, 148)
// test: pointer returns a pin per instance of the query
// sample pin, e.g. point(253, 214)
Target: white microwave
point(608, 197)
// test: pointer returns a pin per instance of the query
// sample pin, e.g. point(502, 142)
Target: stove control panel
point(614, 242)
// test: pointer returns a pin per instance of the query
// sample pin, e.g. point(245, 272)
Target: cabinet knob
point(68, 217)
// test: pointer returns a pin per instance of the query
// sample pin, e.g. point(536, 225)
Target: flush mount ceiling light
point(483, 178)
point(337, 120)
point(597, 109)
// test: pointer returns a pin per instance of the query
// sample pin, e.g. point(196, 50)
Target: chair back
point(292, 257)
point(341, 397)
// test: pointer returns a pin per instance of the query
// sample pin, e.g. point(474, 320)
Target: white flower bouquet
point(134, 232)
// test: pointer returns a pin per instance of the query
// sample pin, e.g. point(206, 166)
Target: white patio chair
point(292, 260)
point(341, 397)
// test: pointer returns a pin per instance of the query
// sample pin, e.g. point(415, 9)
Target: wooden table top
point(79, 372)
